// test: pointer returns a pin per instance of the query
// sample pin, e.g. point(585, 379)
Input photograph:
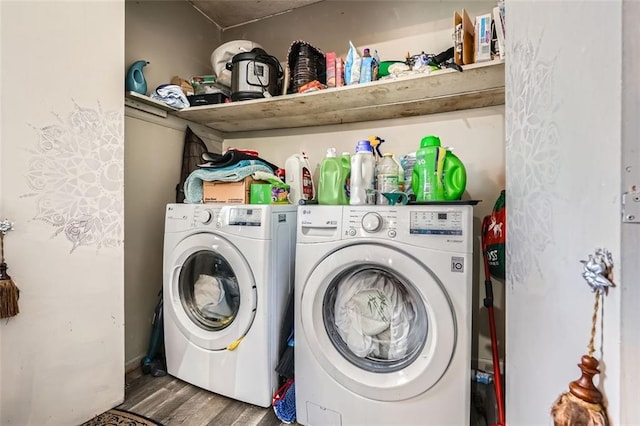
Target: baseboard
point(133, 364)
point(486, 364)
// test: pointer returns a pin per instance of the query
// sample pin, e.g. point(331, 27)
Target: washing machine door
point(213, 292)
point(378, 321)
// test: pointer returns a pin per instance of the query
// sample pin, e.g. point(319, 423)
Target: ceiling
point(231, 13)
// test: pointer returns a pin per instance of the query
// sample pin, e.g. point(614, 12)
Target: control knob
point(371, 222)
point(204, 216)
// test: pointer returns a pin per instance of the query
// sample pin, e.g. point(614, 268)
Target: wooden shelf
point(479, 85)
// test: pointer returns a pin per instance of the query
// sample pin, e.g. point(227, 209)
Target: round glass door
point(209, 290)
point(375, 318)
point(378, 321)
point(212, 292)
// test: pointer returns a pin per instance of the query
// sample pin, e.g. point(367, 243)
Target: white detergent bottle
point(298, 177)
point(363, 169)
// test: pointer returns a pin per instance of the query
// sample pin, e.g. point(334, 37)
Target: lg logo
point(457, 264)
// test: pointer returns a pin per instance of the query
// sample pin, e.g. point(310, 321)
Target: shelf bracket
point(631, 207)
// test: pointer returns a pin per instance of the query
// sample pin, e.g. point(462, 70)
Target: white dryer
point(228, 273)
point(383, 315)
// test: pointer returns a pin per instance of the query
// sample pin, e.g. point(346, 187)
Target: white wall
point(62, 162)
point(393, 28)
point(563, 196)
point(177, 40)
point(1, 196)
point(172, 36)
point(153, 162)
point(630, 291)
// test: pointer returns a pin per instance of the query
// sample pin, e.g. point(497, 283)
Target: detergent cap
point(429, 141)
point(364, 146)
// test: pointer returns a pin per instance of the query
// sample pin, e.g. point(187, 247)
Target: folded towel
point(172, 95)
point(235, 173)
point(230, 158)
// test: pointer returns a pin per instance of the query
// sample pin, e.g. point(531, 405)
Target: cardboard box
point(331, 69)
point(464, 35)
point(227, 192)
point(339, 72)
point(483, 38)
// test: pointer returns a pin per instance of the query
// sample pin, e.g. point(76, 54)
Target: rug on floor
point(115, 417)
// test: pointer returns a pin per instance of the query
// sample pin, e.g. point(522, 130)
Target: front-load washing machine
point(228, 273)
point(383, 315)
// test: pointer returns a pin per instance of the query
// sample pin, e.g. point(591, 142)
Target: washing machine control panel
point(436, 222)
point(381, 223)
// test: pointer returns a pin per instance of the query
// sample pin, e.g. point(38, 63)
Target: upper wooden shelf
point(479, 85)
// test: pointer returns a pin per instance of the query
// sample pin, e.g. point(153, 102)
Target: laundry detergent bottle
point(363, 169)
point(298, 177)
point(331, 182)
point(438, 175)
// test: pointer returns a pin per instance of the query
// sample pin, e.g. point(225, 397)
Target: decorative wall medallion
point(76, 173)
point(532, 156)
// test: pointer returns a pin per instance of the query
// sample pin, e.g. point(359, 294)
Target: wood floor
point(173, 402)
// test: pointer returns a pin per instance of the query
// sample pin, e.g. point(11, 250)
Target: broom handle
point(488, 303)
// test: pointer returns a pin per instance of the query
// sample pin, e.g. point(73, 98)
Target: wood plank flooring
point(173, 402)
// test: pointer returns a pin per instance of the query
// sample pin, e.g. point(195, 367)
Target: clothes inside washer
point(373, 315)
point(210, 298)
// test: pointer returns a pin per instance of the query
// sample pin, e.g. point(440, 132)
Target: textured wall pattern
point(532, 157)
point(75, 174)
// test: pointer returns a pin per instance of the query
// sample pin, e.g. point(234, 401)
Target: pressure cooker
point(254, 75)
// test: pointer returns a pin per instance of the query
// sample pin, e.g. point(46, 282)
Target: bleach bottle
point(438, 175)
point(331, 184)
point(363, 169)
point(298, 177)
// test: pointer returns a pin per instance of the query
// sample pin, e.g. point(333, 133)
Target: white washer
point(383, 315)
point(228, 272)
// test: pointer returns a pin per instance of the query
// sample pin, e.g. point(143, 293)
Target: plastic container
point(407, 162)
point(331, 184)
point(298, 177)
point(386, 177)
point(438, 175)
point(401, 186)
point(363, 168)
point(346, 173)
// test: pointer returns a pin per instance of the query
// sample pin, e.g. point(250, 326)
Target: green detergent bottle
point(333, 180)
point(438, 175)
